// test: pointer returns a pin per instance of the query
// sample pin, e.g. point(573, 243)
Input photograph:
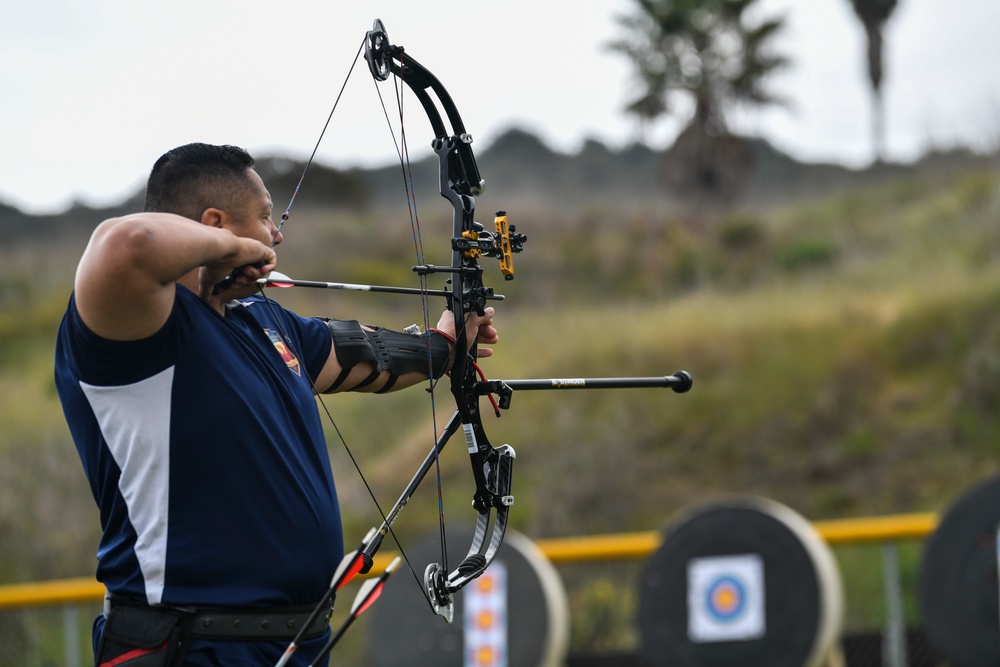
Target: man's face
point(254, 221)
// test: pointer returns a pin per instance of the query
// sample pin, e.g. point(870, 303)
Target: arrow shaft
point(351, 287)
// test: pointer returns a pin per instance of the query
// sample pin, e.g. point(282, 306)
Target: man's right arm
point(125, 282)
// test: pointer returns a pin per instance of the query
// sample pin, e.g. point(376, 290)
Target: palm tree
point(705, 51)
point(873, 15)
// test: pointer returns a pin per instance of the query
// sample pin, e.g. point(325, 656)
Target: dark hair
point(191, 178)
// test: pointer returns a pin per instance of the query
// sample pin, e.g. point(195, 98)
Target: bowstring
point(403, 152)
point(312, 156)
point(284, 334)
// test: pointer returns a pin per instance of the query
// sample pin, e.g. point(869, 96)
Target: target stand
point(740, 580)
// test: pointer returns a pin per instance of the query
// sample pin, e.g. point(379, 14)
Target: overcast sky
point(93, 91)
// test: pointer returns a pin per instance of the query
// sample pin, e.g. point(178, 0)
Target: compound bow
point(459, 182)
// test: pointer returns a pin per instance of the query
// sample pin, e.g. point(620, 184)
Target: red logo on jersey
point(286, 354)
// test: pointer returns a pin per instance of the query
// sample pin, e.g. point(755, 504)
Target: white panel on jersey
point(135, 421)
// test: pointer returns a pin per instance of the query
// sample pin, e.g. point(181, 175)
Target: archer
point(191, 402)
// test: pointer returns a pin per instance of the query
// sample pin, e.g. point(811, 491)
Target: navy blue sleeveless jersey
point(205, 453)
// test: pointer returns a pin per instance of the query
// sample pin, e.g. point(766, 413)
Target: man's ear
point(213, 217)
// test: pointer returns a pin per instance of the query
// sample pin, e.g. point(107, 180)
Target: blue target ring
point(725, 598)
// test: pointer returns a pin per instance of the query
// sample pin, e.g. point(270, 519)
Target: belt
point(238, 624)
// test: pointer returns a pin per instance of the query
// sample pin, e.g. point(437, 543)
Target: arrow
point(276, 279)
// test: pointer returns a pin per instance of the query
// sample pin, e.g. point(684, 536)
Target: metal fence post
point(71, 634)
point(894, 637)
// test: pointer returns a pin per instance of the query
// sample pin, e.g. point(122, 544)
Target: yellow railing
point(558, 550)
point(892, 528)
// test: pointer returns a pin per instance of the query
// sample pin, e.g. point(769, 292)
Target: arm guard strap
point(387, 350)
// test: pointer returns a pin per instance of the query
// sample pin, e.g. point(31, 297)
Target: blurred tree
point(873, 15)
point(708, 52)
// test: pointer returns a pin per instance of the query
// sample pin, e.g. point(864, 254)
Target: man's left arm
point(373, 359)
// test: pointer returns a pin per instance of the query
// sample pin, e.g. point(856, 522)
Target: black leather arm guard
point(387, 350)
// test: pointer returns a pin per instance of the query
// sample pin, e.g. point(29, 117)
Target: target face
point(726, 598)
point(486, 618)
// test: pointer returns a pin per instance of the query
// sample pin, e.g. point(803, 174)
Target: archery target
point(514, 615)
point(957, 586)
point(740, 580)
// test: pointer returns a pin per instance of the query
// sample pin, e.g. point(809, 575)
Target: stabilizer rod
point(680, 382)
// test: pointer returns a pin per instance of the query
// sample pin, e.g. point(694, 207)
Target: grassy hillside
point(845, 350)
